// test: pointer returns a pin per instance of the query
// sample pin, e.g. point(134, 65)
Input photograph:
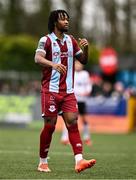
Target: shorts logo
point(78, 145)
point(52, 108)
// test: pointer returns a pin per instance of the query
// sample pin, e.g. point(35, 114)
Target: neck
point(59, 34)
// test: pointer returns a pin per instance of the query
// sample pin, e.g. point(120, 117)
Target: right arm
point(40, 58)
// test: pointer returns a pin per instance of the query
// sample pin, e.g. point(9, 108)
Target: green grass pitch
point(115, 155)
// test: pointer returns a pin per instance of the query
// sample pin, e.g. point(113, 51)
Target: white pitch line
point(65, 153)
point(14, 151)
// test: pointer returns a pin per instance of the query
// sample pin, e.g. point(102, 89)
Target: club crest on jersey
point(52, 108)
point(54, 44)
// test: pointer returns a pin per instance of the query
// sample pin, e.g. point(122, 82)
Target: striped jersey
point(61, 52)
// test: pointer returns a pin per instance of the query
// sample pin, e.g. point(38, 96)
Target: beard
point(62, 29)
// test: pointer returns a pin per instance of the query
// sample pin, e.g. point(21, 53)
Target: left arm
point(83, 57)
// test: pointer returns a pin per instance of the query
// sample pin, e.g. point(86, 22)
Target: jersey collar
point(56, 38)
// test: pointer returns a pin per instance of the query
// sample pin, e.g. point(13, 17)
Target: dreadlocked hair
point(53, 18)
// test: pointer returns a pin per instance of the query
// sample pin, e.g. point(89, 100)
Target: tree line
point(119, 19)
point(113, 25)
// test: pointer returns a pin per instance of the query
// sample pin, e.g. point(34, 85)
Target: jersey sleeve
point(77, 50)
point(41, 45)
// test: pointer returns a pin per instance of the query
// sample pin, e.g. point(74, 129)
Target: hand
point(60, 68)
point(83, 42)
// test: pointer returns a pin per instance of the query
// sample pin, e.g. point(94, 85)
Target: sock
point(78, 157)
point(64, 136)
point(44, 160)
point(45, 139)
point(74, 138)
point(86, 132)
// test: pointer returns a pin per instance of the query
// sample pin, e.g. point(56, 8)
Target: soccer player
point(82, 90)
point(56, 53)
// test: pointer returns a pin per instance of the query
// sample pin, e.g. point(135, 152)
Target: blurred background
point(109, 26)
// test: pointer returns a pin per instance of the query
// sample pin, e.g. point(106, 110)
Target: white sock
point(78, 157)
point(86, 132)
point(44, 160)
point(64, 136)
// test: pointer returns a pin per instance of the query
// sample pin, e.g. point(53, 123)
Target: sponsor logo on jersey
point(56, 54)
point(62, 54)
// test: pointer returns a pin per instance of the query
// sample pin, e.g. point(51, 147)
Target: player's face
point(63, 23)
